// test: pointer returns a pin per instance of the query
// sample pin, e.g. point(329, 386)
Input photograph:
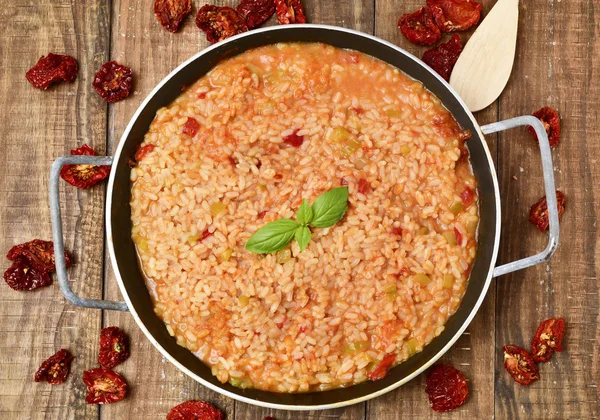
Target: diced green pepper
point(424, 230)
point(283, 256)
point(339, 135)
point(412, 346)
point(448, 282)
point(456, 208)
point(216, 208)
point(450, 237)
point(244, 301)
point(349, 146)
point(142, 244)
point(226, 255)
point(422, 279)
point(392, 112)
point(240, 383)
point(391, 292)
point(355, 347)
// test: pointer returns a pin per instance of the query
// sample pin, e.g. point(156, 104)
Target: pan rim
point(216, 388)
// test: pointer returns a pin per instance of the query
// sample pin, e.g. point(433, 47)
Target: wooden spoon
point(482, 70)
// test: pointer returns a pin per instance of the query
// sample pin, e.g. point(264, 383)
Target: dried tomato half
point(51, 69)
point(467, 196)
point(23, 275)
point(446, 387)
point(455, 15)
point(548, 339)
point(143, 151)
point(84, 176)
point(256, 12)
point(105, 386)
point(55, 369)
point(290, 11)
point(363, 186)
point(294, 139)
point(191, 127)
point(39, 253)
point(195, 410)
point(520, 365)
point(381, 369)
point(170, 13)
point(419, 27)
point(113, 81)
point(551, 120)
point(114, 347)
point(538, 215)
point(443, 57)
point(219, 22)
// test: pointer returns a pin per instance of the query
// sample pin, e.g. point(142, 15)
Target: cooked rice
point(324, 317)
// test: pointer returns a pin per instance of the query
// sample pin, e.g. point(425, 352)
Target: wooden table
point(556, 65)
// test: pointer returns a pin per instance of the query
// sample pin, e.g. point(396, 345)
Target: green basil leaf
point(302, 237)
point(272, 236)
point(305, 213)
point(330, 207)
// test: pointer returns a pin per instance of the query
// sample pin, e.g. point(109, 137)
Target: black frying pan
point(123, 253)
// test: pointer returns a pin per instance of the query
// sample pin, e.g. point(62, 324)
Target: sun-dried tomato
point(105, 386)
point(170, 13)
point(446, 387)
point(548, 339)
point(455, 15)
point(262, 214)
point(23, 275)
point(113, 81)
point(55, 369)
point(443, 57)
point(39, 253)
point(143, 151)
point(84, 176)
point(397, 231)
point(538, 215)
point(459, 237)
point(195, 410)
point(191, 127)
point(290, 11)
point(51, 69)
point(551, 120)
point(381, 369)
point(114, 347)
point(521, 366)
point(205, 235)
point(256, 12)
point(219, 22)
point(467, 196)
point(419, 27)
point(294, 139)
point(343, 181)
point(363, 186)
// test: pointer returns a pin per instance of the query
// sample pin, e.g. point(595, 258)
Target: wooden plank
point(473, 352)
point(353, 15)
point(556, 66)
point(151, 54)
point(37, 127)
point(139, 42)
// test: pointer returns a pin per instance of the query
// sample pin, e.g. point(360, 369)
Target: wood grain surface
point(557, 64)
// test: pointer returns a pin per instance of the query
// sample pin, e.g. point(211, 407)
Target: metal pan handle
point(548, 186)
point(57, 235)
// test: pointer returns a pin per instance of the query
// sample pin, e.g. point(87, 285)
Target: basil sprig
point(326, 211)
